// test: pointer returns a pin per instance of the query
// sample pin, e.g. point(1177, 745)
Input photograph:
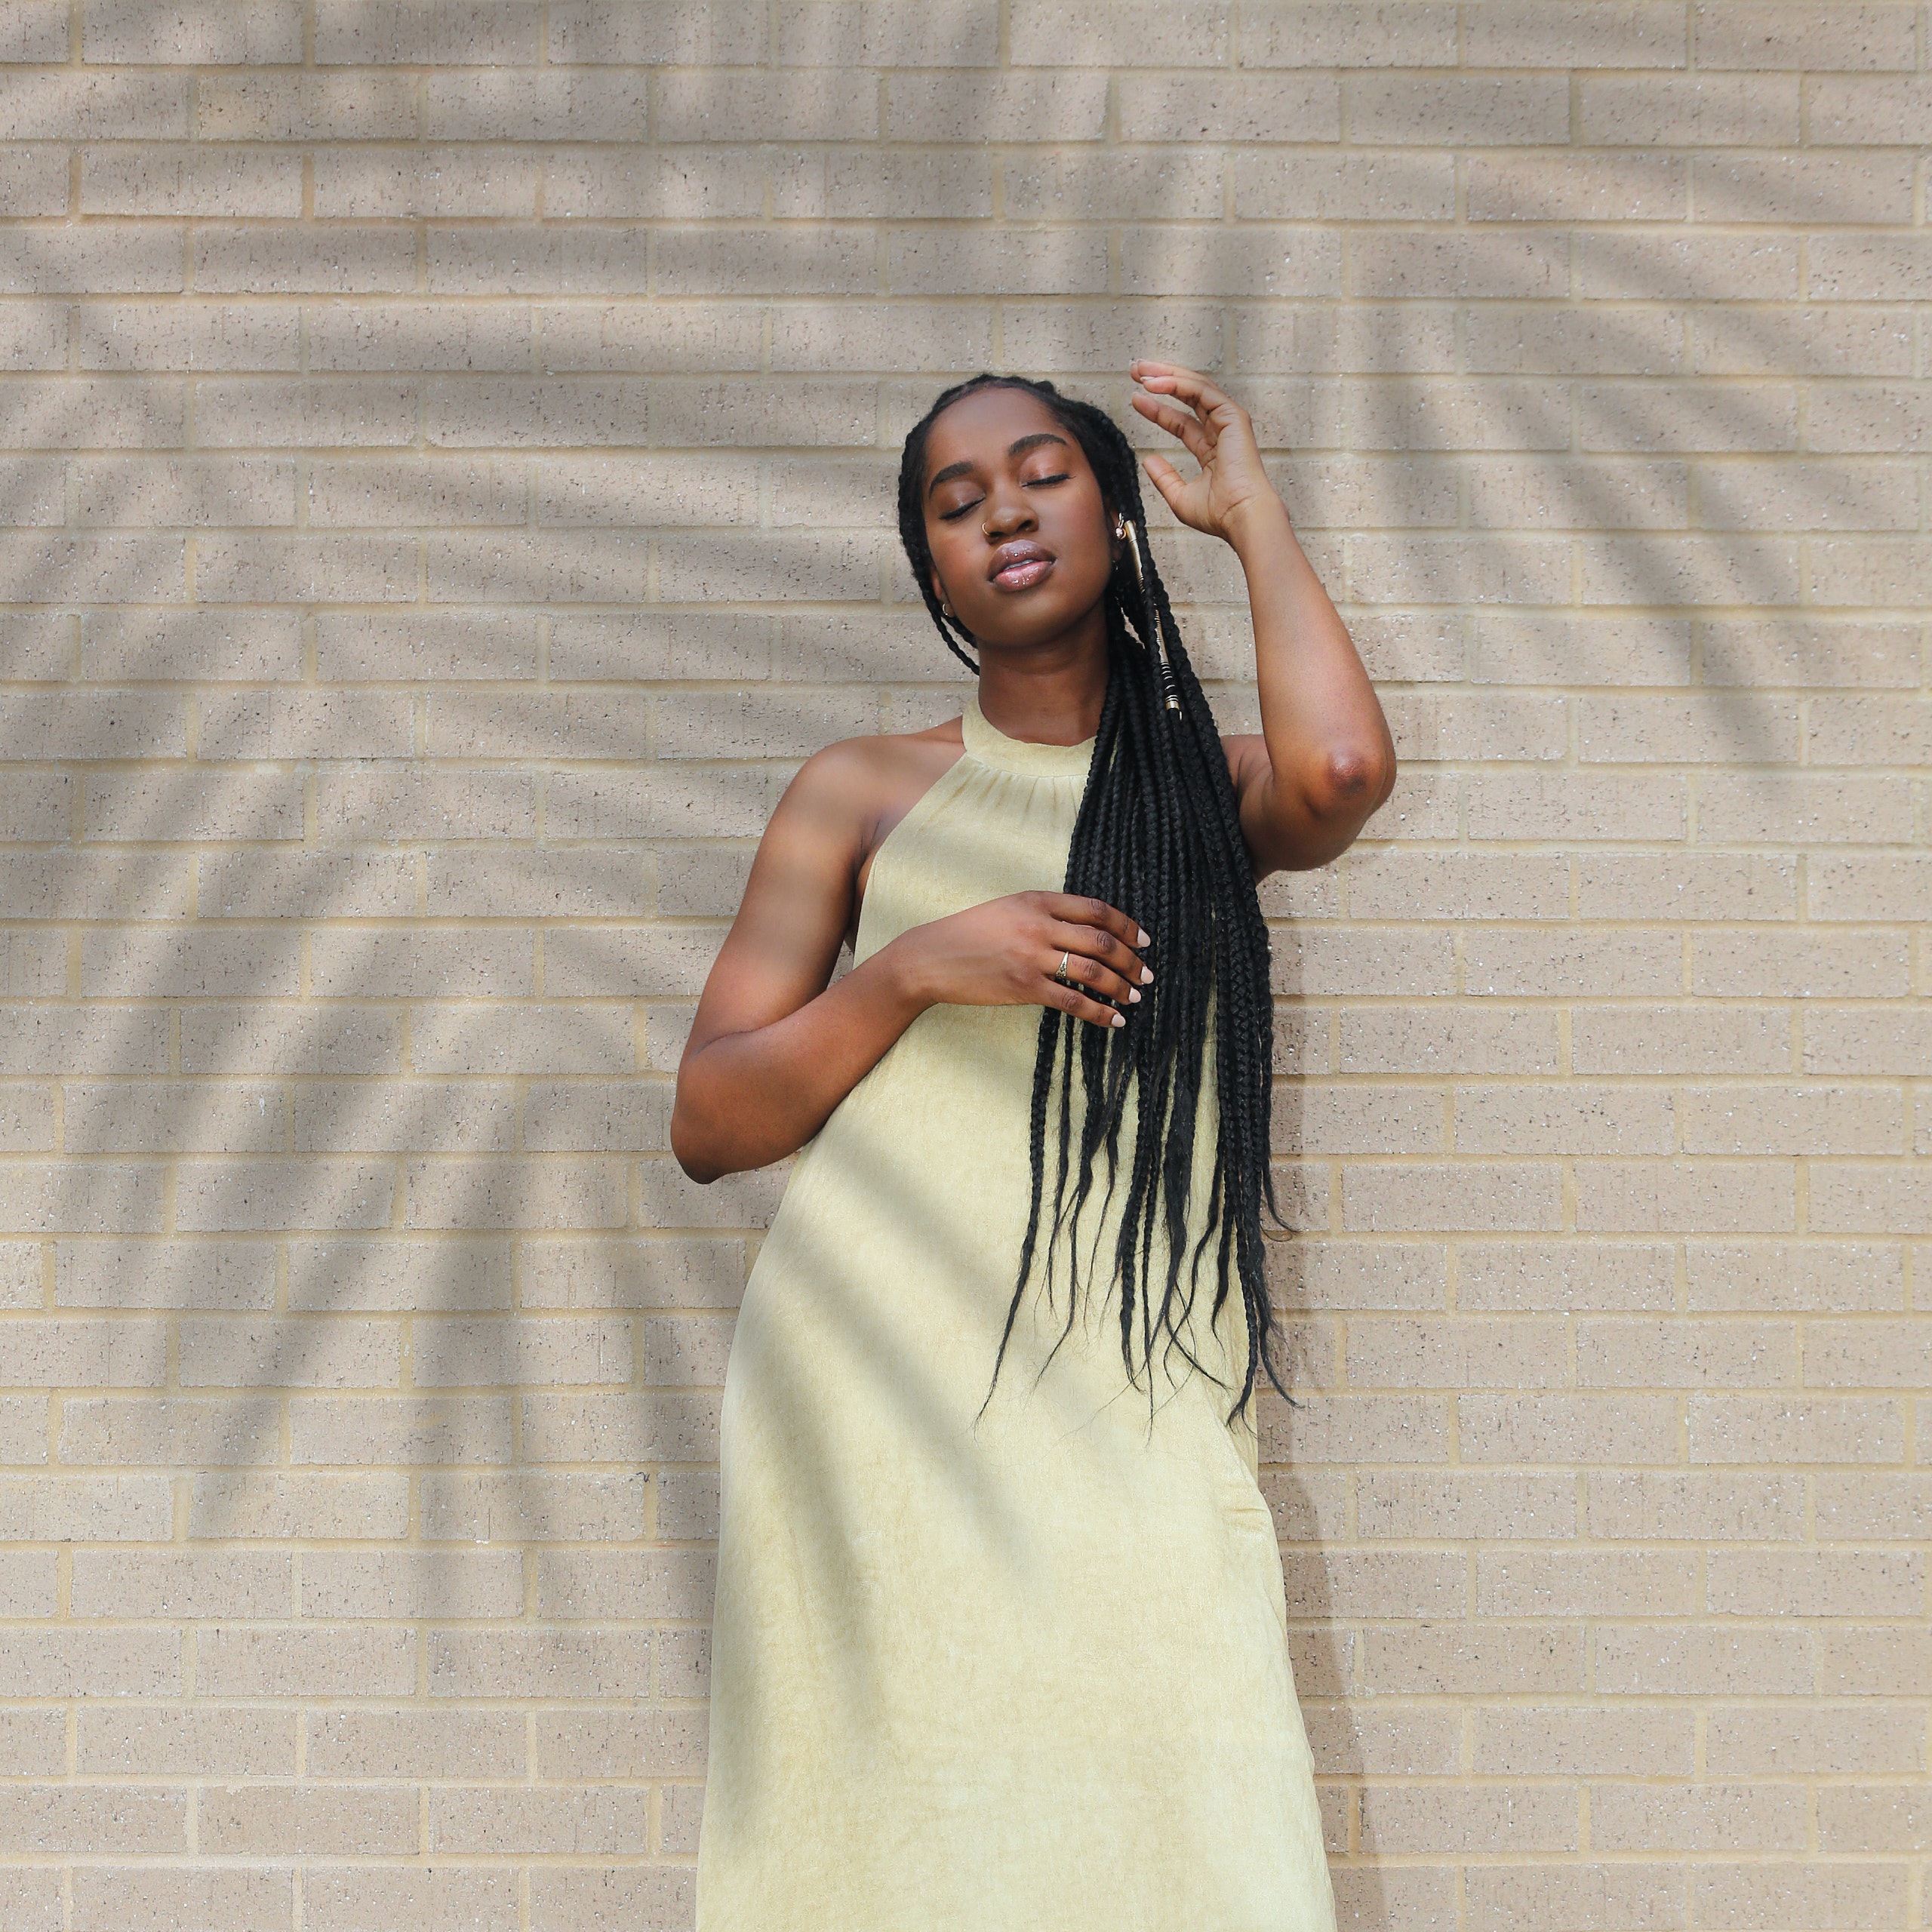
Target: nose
point(1006, 512)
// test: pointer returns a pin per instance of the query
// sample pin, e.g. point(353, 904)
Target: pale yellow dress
point(1029, 1677)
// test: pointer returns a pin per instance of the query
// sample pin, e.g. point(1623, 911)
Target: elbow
point(698, 1161)
point(1350, 782)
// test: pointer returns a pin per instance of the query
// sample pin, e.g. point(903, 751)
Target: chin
point(1026, 621)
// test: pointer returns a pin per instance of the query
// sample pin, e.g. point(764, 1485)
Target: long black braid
point(1157, 836)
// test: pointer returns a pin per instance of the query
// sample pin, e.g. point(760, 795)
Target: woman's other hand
point(1006, 952)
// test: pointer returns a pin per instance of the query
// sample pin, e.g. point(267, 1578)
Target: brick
point(1540, 648)
point(504, 33)
point(354, 260)
point(1742, 1889)
point(888, 33)
point(516, 261)
point(1627, 1276)
point(1702, 1662)
point(1479, 110)
point(1165, 184)
point(1851, 652)
point(1618, 267)
point(1322, 35)
point(1463, 264)
point(1462, 1195)
point(1511, 963)
point(442, 1117)
point(1813, 339)
point(160, 181)
point(1716, 110)
point(265, 32)
point(101, 257)
point(34, 30)
point(34, 181)
point(1592, 341)
point(1574, 33)
point(596, 1508)
point(1887, 112)
point(1760, 36)
point(1805, 1119)
point(1671, 1197)
point(1734, 1816)
point(305, 106)
point(1670, 1508)
point(65, 105)
point(685, 32)
point(444, 182)
point(1664, 730)
point(1803, 496)
point(692, 104)
point(1816, 1582)
point(1787, 809)
point(1800, 965)
point(239, 490)
point(387, 495)
point(1567, 1428)
point(299, 569)
point(1819, 190)
point(1686, 886)
point(266, 410)
point(1589, 187)
point(1529, 1741)
point(1737, 1428)
point(1177, 107)
point(1820, 1277)
point(1681, 1040)
point(1003, 107)
point(1002, 263)
point(129, 415)
point(37, 336)
point(395, 1275)
point(413, 336)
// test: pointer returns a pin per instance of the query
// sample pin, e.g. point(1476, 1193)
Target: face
point(1022, 542)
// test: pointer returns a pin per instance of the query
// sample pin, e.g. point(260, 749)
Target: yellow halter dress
point(1027, 1675)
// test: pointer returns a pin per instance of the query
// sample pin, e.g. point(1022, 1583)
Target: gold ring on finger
point(1059, 971)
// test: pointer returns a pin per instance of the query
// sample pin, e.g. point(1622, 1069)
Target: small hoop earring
point(946, 607)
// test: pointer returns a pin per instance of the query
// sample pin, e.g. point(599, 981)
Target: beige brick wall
point(448, 451)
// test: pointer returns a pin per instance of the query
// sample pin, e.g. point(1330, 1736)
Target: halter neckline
point(990, 745)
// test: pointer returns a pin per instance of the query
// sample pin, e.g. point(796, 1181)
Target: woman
point(997, 1649)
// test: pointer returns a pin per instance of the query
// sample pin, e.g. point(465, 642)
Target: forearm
point(1328, 743)
point(746, 1099)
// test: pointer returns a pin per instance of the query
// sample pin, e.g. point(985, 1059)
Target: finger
point(1088, 974)
point(1143, 367)
point(1196, 435)
point(1071, 999)
point(1188, 384)
point(1166, 478)
point(1077, 911)
point(1104, 947)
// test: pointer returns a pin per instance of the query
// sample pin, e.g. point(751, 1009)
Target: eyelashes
point(953, 516)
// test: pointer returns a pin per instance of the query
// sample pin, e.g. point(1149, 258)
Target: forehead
point(978, 427)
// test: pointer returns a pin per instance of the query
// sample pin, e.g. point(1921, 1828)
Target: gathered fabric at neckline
point(989, 744)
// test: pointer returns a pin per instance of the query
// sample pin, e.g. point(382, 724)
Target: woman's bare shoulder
point(869, 783)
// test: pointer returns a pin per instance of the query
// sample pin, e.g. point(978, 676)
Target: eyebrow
point(953, 470)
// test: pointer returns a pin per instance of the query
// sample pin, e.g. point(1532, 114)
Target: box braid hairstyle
point(1157, 836)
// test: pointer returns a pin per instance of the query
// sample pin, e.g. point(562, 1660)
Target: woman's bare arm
point(1324, 760)
point(774, 1047)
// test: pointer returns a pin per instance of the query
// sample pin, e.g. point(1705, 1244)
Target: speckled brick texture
point(448, 448)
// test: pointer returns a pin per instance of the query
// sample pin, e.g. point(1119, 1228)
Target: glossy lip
point(1023, 552)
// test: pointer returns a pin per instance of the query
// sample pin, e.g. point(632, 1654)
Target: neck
point(1050, 694)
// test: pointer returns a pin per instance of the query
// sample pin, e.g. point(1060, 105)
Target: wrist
point(1258, 523)
point(901, 968)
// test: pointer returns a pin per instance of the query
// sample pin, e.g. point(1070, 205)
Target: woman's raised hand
point(1218, 433)
point(1005, 952)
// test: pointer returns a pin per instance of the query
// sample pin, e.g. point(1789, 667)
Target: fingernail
point(1118, 1019)
point(1144, 939)
point(1133, 992)
point(1147, 976)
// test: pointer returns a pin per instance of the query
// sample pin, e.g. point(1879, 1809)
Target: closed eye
point(953, 516)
